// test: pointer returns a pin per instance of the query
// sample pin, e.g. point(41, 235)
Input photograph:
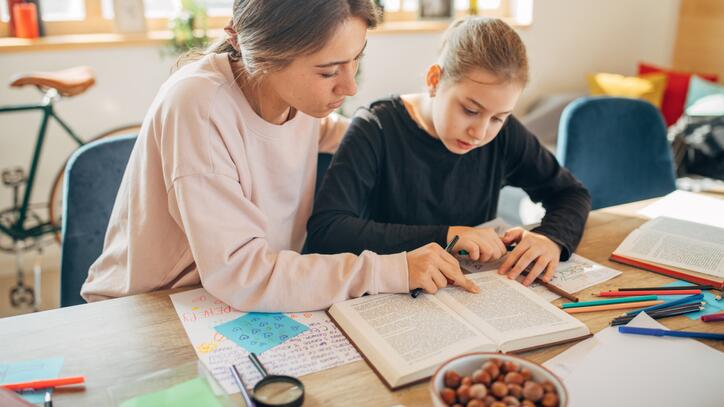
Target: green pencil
point(613, 301)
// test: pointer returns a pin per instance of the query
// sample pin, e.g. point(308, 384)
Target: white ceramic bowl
point(466, 364)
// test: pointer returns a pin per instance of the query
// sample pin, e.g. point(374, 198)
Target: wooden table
point(118, 340)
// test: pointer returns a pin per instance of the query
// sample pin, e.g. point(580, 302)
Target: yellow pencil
point(639, 304)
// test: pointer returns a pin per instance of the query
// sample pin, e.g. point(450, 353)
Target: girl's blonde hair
point(483, 43)
point(271, 33)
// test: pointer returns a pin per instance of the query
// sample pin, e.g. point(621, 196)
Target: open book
point(404, 339)
point(678, 248)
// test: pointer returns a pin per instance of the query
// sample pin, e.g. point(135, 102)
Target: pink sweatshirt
point(214, 194)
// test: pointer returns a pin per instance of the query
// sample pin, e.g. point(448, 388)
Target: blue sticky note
point(712, 306)
point(258, 332)
point(30, 370)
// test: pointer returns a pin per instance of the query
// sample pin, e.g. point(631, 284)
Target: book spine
point(662, 270)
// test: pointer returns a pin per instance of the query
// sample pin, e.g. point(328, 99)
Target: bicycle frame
point(17, 231)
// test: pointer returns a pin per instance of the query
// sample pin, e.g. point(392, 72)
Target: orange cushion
point(677, 87)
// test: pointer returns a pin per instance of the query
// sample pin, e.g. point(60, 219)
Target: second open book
point(404, 339)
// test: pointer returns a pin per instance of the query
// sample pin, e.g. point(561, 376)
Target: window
point(53, 10)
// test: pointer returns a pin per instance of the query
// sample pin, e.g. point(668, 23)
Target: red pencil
point(644, 292)
point(45, 383)
point(719, 316)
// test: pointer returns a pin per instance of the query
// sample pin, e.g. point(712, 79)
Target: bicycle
point(22, 227)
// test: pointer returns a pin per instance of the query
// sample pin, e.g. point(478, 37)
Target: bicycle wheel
point(55, 201)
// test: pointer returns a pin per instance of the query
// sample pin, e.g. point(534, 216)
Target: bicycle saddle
point(68, 82)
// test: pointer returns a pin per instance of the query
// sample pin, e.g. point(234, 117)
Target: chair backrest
point(617, 147)
point(92, 178)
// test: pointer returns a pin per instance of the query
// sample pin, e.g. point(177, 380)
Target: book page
point(688, 206)
point(511, 313)
point(321, 347)
point(677, 243)
point(404, 336)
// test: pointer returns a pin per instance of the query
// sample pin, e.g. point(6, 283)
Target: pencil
point(662, 313)
point(623, 305)
point(554, 289)
point(685, 300)
point(611, 301)
point(414, 293)
point(683, 287)
point(647, 292)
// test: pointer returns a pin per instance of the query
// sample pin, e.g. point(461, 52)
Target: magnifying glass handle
point(257, 364)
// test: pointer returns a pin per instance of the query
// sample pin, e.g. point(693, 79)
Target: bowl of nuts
point(494, 379)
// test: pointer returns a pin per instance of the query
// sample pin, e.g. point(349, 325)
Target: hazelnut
point(514, 378)
point(515, 390)
point(466, 380)
point(498, 362)
point(548, 387)
point(498, 404)
point(448, 396)
point(511, 401)
point(489, 400)
point(475, 403)
point(481, 376)
point(510, 366)
point(499, 390)
point(527, 403)
point(492, 369)
point(463, 393)
point(532, 391)
point(478, 391)
point(527, 374)
point(452, 379)
point(550, 400)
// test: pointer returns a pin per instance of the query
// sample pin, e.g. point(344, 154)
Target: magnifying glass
point(276, 390)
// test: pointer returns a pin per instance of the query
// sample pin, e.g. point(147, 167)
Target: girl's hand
point(429, 267)
point(531, 249)
point(482, 244)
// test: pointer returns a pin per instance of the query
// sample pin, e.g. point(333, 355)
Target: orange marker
point(613, 306)
point(645, 292)
point(45, 383)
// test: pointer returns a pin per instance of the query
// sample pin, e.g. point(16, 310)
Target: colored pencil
point(647, 292)
point(624, 305)
point(553, 288)
point(612, 301)
point(45, 383)
point(664, 332)
point(719, 316)
point(695, 297)
point(683, 287)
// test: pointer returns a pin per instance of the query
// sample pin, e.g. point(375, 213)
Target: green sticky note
point(193, 393)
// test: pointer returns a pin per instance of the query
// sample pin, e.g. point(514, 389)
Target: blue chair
point(92, 178)
point(617, 148)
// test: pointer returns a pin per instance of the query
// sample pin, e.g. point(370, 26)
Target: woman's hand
point(429, 267)
point(531, 249)
point(482, 244)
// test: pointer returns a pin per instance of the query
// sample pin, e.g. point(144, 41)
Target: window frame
point(95, 23)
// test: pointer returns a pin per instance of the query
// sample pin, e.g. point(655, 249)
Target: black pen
point(414, 293)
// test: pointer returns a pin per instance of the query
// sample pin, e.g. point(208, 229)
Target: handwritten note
point(258, 332)
point(576, 274)
point(30, 370)
point(322, 346)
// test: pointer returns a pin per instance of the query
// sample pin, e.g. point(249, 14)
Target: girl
point(425, 167)
point(219, 186)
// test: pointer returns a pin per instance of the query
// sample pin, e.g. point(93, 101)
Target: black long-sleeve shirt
point(391, 187)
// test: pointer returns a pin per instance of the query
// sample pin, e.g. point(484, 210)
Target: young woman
point(220, 183)
point(425, 167)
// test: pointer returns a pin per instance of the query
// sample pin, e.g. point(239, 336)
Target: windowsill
point(152, 38)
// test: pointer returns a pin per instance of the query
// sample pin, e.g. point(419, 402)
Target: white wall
point(568, 39)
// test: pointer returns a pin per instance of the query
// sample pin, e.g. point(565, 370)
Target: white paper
point(321, 347)
point(688, 206)
point(637, 370)
point(576, 274)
